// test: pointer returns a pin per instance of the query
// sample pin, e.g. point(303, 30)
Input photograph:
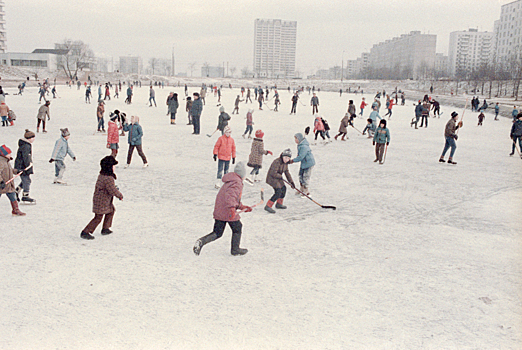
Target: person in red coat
point(224, 150)
point(113, 136)
point(102, 205)
point(228, 202)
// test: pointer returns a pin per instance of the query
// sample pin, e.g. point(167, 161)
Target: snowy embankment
point(418, 254)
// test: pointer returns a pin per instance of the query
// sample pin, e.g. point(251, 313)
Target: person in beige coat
point(7, 186)
point(42, 113)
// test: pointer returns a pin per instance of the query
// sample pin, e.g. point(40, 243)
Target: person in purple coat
point(228, 201)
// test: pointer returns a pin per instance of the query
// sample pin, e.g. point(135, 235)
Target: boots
point(202, 241)
point(342, 138)
point(279, 204)
point(26, 199)
point(16, 211)
point(18, 189)
point(450, 161)
point(236, 239)
point(268, 207)
point(441, 160)
point(106, 231)
point(335, 137)
point(86, 235)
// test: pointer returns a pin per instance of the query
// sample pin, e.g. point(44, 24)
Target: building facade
point(508, 32)
point(131, 64)
point(35, 60)
point(469, 51)
point(212, 71)
point(274, 48)
point(403, 57)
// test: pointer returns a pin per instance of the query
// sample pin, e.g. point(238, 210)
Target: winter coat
point(228, 199)
point(197, 108)
point(223, 121)
point(152, 93)
point(516, 129)
point(451, 127)
point(249, 119)
point(225, 148)
point(314, 101)
point(61, 149)
point(4, 110)
point(188, 106)
point(256, 153)
point(363, 104)
point(382, 135)
point(6, 174)
point(24, 156)
point(275, 174)
point(104, 192)
point(325, 123)
point(42, 112)
point(351, 109)
point(304, 155)
point(129, 91)
point(318, 125)
point(418, 110)
point(173, 105)
point(135, 133)
point(426, 108)
point(344, 124)
point(99, 111)
point(374, 115)
point(113, 136)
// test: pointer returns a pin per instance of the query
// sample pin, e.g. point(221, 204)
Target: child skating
point(306, 158)
point(23, 163)
point(381, 138)
point(249, 124)
point(61, 150)
point(255, 160)
point(224, 150)
point(7, 186)
point(113, 135)
point(275, 179)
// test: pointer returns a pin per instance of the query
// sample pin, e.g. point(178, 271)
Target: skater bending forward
point(275, 179)
point(228, 201)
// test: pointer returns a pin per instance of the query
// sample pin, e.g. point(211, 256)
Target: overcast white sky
point(217, 31)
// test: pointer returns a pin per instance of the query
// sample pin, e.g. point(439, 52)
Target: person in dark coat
point(102, 199)
point(275, 179)
point(195, 112)
point(23, 160)
point(172, 102)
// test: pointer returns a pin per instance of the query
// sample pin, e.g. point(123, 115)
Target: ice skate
point(59, 181)
point(145, 165)
point(106, 231)
point(86, 235)
point(27, 200)
point(217, 185)
point(268, 207)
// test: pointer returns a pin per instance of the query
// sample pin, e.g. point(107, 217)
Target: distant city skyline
point(221, 31)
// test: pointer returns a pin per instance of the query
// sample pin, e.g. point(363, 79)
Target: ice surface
point(407, 261)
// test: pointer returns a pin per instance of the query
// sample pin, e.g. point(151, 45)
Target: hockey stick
point(310, 198)
point(516, 147)
point(210, 135)
point(356, 129)
point(20, 173)
point(267, 106)
point(385, 151)
point(257, 204)
point(461, 118)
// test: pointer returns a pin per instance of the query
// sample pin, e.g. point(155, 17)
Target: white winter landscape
point(418, 254)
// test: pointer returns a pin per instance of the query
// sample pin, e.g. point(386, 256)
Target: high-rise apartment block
point(274, 48)
point(3, 37)
point(508, 32)
point(469, 51)
point(131, 64)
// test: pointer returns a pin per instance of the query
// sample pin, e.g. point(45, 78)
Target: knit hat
point(28, 134)
point(260, 134)
point(454, 114)
point(114, 116)
point(227, 129)
point(221, 109)
point(240, 169)
point(299, 137)
point(287, 153)
point(65, 132)
point(106, 166)
point(4, 151)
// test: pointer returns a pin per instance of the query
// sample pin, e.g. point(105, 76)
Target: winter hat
point(240, 169)
point(28, 134)
point(114, 116)
point(227, 129)
point(221, 109)
point(260, 134)
point(454, 114)
point(519, 115)
point(299, 137)
point(106, 166)
point(65, 132)
point(4, 151)
point(287, 153)
point(250, 111)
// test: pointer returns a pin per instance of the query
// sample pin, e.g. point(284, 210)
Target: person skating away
point(260, 98)
point(370, 127)
point(224, 150)
point(249, 124)
point(425, 113)
point(255, 159)
point(222, 120)
point(88, 94)
point(277, 102)
point(195, 111)
point(295, 98)
point(228, 202)
point(343, 131)
point(128, 100)
point(202, 95)
point(274, 178)
point(60, 151)
point(116, 93)
point(236, 105)
point(418, 114)
point(188, 108)
point(219, 94)
point(362, 106)
point(107, 93)
point(152, 97)
point(42, 94)
point(389, 106)
point(135, 134)
point(481, 118)
point(314, 102)
point(99, 114)
point(516, 134)
point(497, 110)
point(450, 133)
point(248, 98)
point(436, 108)
point(380, 139)
point(43, 112)
point(23, 162)
point(113, 135)
point(351, 109)
point(318, 129)
point(306, 158)
point(102, 205)
point(173, 104)
point(186, 90)
point(6, 175)
point(53, 91)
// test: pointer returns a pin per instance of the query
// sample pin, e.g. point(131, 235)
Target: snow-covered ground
point(418, 254)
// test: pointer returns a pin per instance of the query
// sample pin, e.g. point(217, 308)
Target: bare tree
point(192, 67)
point(232, 71)
point(206, 68)
point(245, 72)
point(153, 63)
point(76, 57)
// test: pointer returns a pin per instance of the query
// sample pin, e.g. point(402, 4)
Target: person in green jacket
point(380, 139)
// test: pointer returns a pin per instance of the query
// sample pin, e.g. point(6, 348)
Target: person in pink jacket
point(319, 128)
point(224, 150)
point(113, 136)
point(228, 202)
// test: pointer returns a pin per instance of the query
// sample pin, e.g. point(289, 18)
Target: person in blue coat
point(306, 158)
point(380, 139)
point(134, 137)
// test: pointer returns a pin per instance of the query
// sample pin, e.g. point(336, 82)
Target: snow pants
point(59, 168)
point(279, 193)
point(219, 227)
point(107, 222)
